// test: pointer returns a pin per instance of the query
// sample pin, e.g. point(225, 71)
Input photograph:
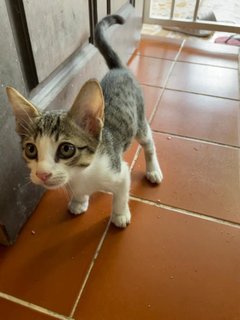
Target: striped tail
point(112, 59)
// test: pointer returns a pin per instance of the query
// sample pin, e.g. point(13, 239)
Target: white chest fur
point(99, 176)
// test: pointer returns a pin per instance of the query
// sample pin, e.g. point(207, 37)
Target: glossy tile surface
point(150, 71)
point(198, 116)
point(210, 80)
point(210, 54)
point(165, 266)
point(199, 177)
point(151, 97)
point(48, 264)
point(179, 258)
point(161, 48)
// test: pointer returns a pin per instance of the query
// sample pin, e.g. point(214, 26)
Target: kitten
point(83, 148)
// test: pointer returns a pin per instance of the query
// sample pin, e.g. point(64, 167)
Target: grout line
point(34, 307)
point(189, 62)
point(153, 57)
point(187, 91)
point(204, 94)
point(151, 85)
point(187, 212)
point(90, 269)
point(219, 144)
point(139, 148)
point(138, 53)
point(208, 65)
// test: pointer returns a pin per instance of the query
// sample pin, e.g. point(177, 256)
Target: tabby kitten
point(83, 148)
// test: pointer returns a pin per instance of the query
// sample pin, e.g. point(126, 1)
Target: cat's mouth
point(51, 186)
point(55, 184)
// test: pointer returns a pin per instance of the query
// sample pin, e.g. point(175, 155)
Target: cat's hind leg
point(121, 215)
point(153, 170)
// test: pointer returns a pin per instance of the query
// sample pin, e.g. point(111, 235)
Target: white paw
point(76, 207)
point(121, 220)
point(154, 176)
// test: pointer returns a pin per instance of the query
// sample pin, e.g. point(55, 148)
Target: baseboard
point(3, 236)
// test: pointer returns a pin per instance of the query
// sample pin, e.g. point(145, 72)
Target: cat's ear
point(23, 109)
point(88, 108)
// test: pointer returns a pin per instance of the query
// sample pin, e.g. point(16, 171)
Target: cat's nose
point(44, 176)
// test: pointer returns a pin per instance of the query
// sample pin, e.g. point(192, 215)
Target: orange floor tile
point(179, 259)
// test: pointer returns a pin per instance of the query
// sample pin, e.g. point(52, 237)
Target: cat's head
point(55, 143)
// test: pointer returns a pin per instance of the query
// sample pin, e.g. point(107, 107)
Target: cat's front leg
point(78, 204)
point(121, 215)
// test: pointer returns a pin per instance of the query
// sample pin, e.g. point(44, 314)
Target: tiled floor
point(179, 259)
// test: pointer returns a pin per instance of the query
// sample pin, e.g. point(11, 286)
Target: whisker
point(26, 183)
point(69, 188)
point(66, 193)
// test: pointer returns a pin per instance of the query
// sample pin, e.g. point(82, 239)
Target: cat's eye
point(30, 151)
point(66, 150)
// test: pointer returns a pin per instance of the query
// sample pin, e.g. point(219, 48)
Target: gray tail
point(112, 59)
